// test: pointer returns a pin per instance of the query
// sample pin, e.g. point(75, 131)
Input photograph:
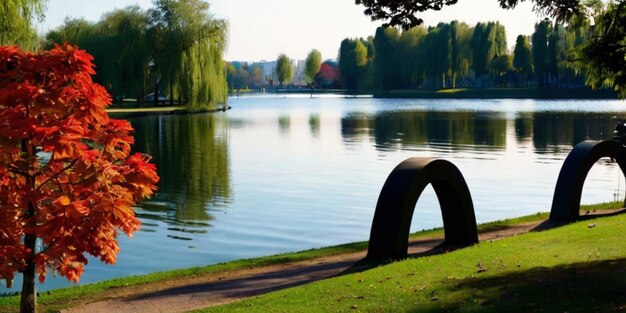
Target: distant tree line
point(173, 50)
point(452, 55)
point(244, 75)
point(600, 56)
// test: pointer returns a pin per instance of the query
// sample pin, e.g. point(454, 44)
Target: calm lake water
point(286, 174)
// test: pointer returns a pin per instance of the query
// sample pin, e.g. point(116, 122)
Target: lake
point(279, 174)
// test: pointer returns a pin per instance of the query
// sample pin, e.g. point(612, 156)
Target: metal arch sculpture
point(569, 186)
point(389, 236)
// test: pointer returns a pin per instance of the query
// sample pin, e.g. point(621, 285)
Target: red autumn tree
point(67, 178)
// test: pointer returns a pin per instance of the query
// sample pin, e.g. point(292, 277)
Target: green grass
point(576, 268)
point(59, 298)
point(601, 206)
point(452, 91)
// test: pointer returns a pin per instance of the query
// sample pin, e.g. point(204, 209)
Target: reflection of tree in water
point(398, 129)
point(549, 130)
point(284, 123)
point(314, 124)
point(191, 154)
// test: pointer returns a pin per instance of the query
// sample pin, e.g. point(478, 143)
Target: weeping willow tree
point(189, 43)
point(125, 51)
point(15, 22)
point(174, 49)
point(120, 48)
point(203, 83)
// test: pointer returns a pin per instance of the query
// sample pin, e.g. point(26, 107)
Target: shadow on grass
point(417, 249)
point(587, 216)
point(581, 287)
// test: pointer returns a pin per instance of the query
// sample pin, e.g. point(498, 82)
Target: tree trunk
point(28, 299)
point(171, 94)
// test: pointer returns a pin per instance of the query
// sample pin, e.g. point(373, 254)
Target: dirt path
point(195, 293)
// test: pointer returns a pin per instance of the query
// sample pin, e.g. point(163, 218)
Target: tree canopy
point(453, 55)
point(403, 12)
point(284, 69)
point(174, 49)
point(15, 22)
point(68, 179)
point(602, 57)
point(312, 65)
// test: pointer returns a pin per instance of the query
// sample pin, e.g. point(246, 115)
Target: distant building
point(298, 72)
point(269, 69)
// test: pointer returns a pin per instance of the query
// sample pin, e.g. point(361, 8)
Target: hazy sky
point(262, 29)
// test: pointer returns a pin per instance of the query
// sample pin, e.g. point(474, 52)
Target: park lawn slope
point(577, 268)
point(51, 301)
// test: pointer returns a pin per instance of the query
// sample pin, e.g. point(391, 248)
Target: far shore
point(457, 93)
point(464, 93)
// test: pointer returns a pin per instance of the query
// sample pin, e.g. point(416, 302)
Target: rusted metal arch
point(389, 235)
point(569, 186)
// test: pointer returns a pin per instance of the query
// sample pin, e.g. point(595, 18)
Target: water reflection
point(392, 130)
point(191, 154)
point(549, 132)
point(284, 123)
point(314, 123)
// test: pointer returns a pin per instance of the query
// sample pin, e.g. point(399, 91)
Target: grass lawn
point(577, 268)
point(419, 275)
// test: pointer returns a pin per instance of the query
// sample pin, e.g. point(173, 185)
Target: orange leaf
point(63, 200)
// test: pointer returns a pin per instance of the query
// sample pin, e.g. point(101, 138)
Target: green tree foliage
point(522, 56)
point(16, 17)
point(386, 63)
point(284, 69)
point(488, 42)
point(601, 58)
point(540, 51)
point(354, 63)
point(556, 54)
point(500, 65)
point(439, 57)
point(244, 75)
point(412, 61)
point(125, 66)
point(188, 46)
point(551, 49)
point(174, 49)
point(312, 65)
point(457, 55)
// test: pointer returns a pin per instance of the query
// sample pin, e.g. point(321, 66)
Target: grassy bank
point(501, 93)
point(61, 298)
point(577, 268)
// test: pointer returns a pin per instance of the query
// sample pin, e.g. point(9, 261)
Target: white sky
point(262, 29)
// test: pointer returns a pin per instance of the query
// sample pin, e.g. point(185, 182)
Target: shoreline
point(167, 110)
point(135, 286)
point(530, 93)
